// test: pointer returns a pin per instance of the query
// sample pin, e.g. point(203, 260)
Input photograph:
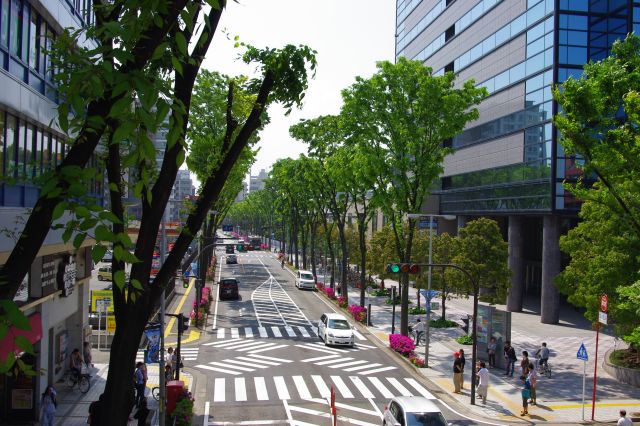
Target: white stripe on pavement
point(244, 363)
point(262, 331)
point(218, 390)
point(361, 367)
point(220, 370)
point(290, 331)
point(302, 388)
point(346, 364)
point(322, 386)
point(232, 367)
point(270, 358)
point(254, 351)
point(276, 331)
point(331, 361)
point(327, 351)
point(319, 358)
point(241, 390)
point(358, 335)
point(257, 361)
point(396, 384)
point(234, 333)
point(261, 389)
point(221, 333)
point(414, 383)
point(361, 387)
point(281, 388)
point(342, 387)
point(303, 331)
point(248, 332)
point(223, 343)
point(377, 370)
point(381, 387)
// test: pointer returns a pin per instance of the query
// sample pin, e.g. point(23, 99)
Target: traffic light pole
point(181, 330)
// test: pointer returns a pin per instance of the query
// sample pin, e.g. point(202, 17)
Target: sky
point(350, 36)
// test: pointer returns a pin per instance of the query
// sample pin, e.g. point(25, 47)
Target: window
point(22, 149)
point(46, 152)
point(449, 33)
point(2, 143)
point(12, 128)
point(40, 147)
point(16, 27)
point(448, 67)
point(34, 41)
point(4, 24)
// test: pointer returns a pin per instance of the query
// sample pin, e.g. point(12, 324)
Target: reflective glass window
point(535, 83)
point(16, 27)
point(11, 156)
point(34, 41)
point(575, 5)
point(22, 148)
point(46, 152)
point(501, 80)
point(535, 32)
point(4, 23)
point(575, 22)
point(40, 147)
point(489, 44)
point(517, 72)
point(2, 153)
point(518, 24)
point(475, 52)
point(535, 64)
point(534, 98)
point(535, 47)
point(503, 35)
point(535, 13)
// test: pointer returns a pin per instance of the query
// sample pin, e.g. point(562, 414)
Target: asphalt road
point(264, 363)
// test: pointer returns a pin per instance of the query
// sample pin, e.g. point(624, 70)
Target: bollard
point(369, 315)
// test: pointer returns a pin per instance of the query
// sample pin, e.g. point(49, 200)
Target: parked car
point(334, 329)
point(412, 411)
point(229, 288)
point(232, 259)
point(104, 273)
point(305, 279)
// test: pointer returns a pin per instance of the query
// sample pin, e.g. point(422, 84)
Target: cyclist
point(282, 262)
point(418, 329)
point(543, 355)
point(75, 363)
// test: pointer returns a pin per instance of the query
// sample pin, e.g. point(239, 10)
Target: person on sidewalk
point(483, 382)
point(510, 358)
point(464, 363)
point(145, 375)
point(170, 360)
point(524, 364)
point(491, 350)
point(533, 379)
point(139, 383)
point(75, 363)
point(624, 420)
point(543, 354)
point(142, 413)
point(457, 372)
point(86, 354)
point(168, 374)
point(526, 394)
point(48, 406)
point(418, 328)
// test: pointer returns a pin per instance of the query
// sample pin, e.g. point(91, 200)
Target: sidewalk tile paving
point(559, 398)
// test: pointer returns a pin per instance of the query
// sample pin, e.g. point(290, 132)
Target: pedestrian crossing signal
point(407, 268)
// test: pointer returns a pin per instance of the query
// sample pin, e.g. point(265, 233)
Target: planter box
point(622, 374)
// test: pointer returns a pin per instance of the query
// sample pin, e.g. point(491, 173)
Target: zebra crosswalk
point(188, 354)
point(242, 389)
point(243, 364)
point(295, 331)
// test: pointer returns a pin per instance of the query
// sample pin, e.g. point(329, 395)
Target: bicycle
point(544, 369)
point(82, 380)
point(155, 392)
point(422, 340)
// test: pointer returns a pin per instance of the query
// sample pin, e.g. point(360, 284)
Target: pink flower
point(401, 344)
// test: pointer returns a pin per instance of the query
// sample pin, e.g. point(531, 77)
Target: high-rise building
point(182, 189)
point(256, 183)
point(55, 293)
point(508, 164)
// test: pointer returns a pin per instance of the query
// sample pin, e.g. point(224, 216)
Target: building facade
point(55, 294)
point(256, 183)
point(182, 189)
point(508, 164)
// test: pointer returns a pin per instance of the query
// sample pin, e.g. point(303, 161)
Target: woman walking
point(48, 406)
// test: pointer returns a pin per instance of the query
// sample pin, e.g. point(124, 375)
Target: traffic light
point(183, 323)
point(407, 268)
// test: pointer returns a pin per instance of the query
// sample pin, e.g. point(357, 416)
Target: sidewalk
point(559, 398)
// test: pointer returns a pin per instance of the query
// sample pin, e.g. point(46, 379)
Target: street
point(265, 364)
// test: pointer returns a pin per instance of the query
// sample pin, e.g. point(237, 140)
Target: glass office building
point(508, 164)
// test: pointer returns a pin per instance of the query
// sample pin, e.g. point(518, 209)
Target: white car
point(334, 329)
point(305, 279)
point(413, 411)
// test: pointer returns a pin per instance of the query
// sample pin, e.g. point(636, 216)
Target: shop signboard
point(48, 276)
point(111, 324)
point(68, 276)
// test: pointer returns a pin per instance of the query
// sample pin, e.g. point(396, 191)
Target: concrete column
point(462, 221)
point(516, 264)
point(550, 300)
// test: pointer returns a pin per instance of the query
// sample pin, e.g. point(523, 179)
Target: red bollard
point(174, 389)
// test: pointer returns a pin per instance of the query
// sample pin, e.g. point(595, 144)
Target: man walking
point(510, 358)
point(457, 372)
point(624, 420)
point(483, 382)
point(139, 382)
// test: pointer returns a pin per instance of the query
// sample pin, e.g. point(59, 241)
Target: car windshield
point(426, 419)
point(306, 276)
point(339, 324)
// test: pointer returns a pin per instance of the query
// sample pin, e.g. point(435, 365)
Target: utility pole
point(163, 385)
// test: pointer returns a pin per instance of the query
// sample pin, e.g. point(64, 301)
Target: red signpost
point(604, 308)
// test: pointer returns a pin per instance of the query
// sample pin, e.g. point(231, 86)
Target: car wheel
point(318, 333)
point(99, 277)
point(325, 340)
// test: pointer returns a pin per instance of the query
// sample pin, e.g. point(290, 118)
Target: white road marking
point(303, 331)
point(346, 364)
point(322, 386)
point(218, 390)
point(319, 358)
point(234, 333)
point(358, 335)
point(302, 388)
point(270, 358)
point(257, 361)
point(414, 383)
point(362, 367)
point(220, 370)
point(290, 331)
point(361, 387)
point(396, 384)
point(231, 367)
point(255, 351)
point(221, 333)
point(276, 331)
point(386, 393)
point(205, 421)
point(332, 361)
point(250, 363)
point(327, 351)
point(255, 344)
point(342, 387)
point(261, 389)
point(248, 332)
point(377, 370)
point(262, 331)
point(223, 343)
point(281, 388)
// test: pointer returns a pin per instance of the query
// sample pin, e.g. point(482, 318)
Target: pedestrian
point(491, 350)
point(624, 420)
point(94, 409)
point(510, 358)
point(145, 376)
point(75, 363)
point(48, 405)
point(168, 374)
point(464, 362)
point(138, 378)
point(526, 394)
point(86, 353)
point(169, 360)
point(457, 372)
point(533, 379)
point(142, 413)
point(524, 364)
point(483, 382)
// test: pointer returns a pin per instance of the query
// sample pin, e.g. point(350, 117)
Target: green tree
point(599, 125)
point(401, 117)
point(480, 249)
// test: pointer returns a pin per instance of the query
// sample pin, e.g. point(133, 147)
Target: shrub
point(391, 301)
point(416, 360)
point(465, 340)
point(401, 344)
point(331, 294)
point(320, 286)
point(380, 292)
point(358, 312)
point(417, 311)
point(183, 413)
point(443, 323)
point(342, 302)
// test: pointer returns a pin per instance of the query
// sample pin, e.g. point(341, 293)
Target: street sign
point(103, 304)
point(602, 318)
point(604, 303)
point(429, 294)
point(582, 353)
point(435, 306)
point(426, 223)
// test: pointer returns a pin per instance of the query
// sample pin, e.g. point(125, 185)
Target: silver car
point(413, 411)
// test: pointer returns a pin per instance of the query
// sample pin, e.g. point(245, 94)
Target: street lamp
point(428, 324)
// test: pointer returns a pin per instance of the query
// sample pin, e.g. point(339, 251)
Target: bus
point(255, 242)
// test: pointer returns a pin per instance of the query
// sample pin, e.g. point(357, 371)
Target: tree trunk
point(303, 237)
point(363, 259)
point(344, 288)
point(313, 227)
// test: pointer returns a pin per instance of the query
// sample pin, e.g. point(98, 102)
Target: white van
point(305, 279)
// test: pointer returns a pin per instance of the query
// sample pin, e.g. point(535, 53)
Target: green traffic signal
point(395, 268)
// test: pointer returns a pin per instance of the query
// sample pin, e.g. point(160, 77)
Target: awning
point(34, 335)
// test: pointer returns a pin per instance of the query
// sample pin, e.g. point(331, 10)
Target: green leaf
point(97, 253)
point(110, 216)
point(88, 223)
point(118, 279)
point(82, 211)
point(181, 42)
point(63, 117)
point(66, 235)
point(15, 316)
point(177, 65)
point(136, 284)
point(103, 233)
point(180, 158)
point(79, 239)
point(124, 131)
point(23, 343)
point(58, 210)
point(159, 50)
point(120, 106)
point(4, 329)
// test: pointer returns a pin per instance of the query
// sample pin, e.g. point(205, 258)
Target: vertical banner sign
point(153, 344)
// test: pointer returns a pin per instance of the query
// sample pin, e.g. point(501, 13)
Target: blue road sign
point(426, 223)
point(429, 294)
point(582, 353)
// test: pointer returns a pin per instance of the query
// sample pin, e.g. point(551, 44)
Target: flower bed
point(203, 307)
point(331, 294)
point(416, 360)
point(183, 413)
point(358, 312)
point(401, 344)
point(342, 302)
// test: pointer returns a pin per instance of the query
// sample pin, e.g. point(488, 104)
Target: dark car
point(229, 288)
point(232, 259)
point(230, 249)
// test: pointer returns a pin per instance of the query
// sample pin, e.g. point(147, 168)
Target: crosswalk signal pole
point(179, 356)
